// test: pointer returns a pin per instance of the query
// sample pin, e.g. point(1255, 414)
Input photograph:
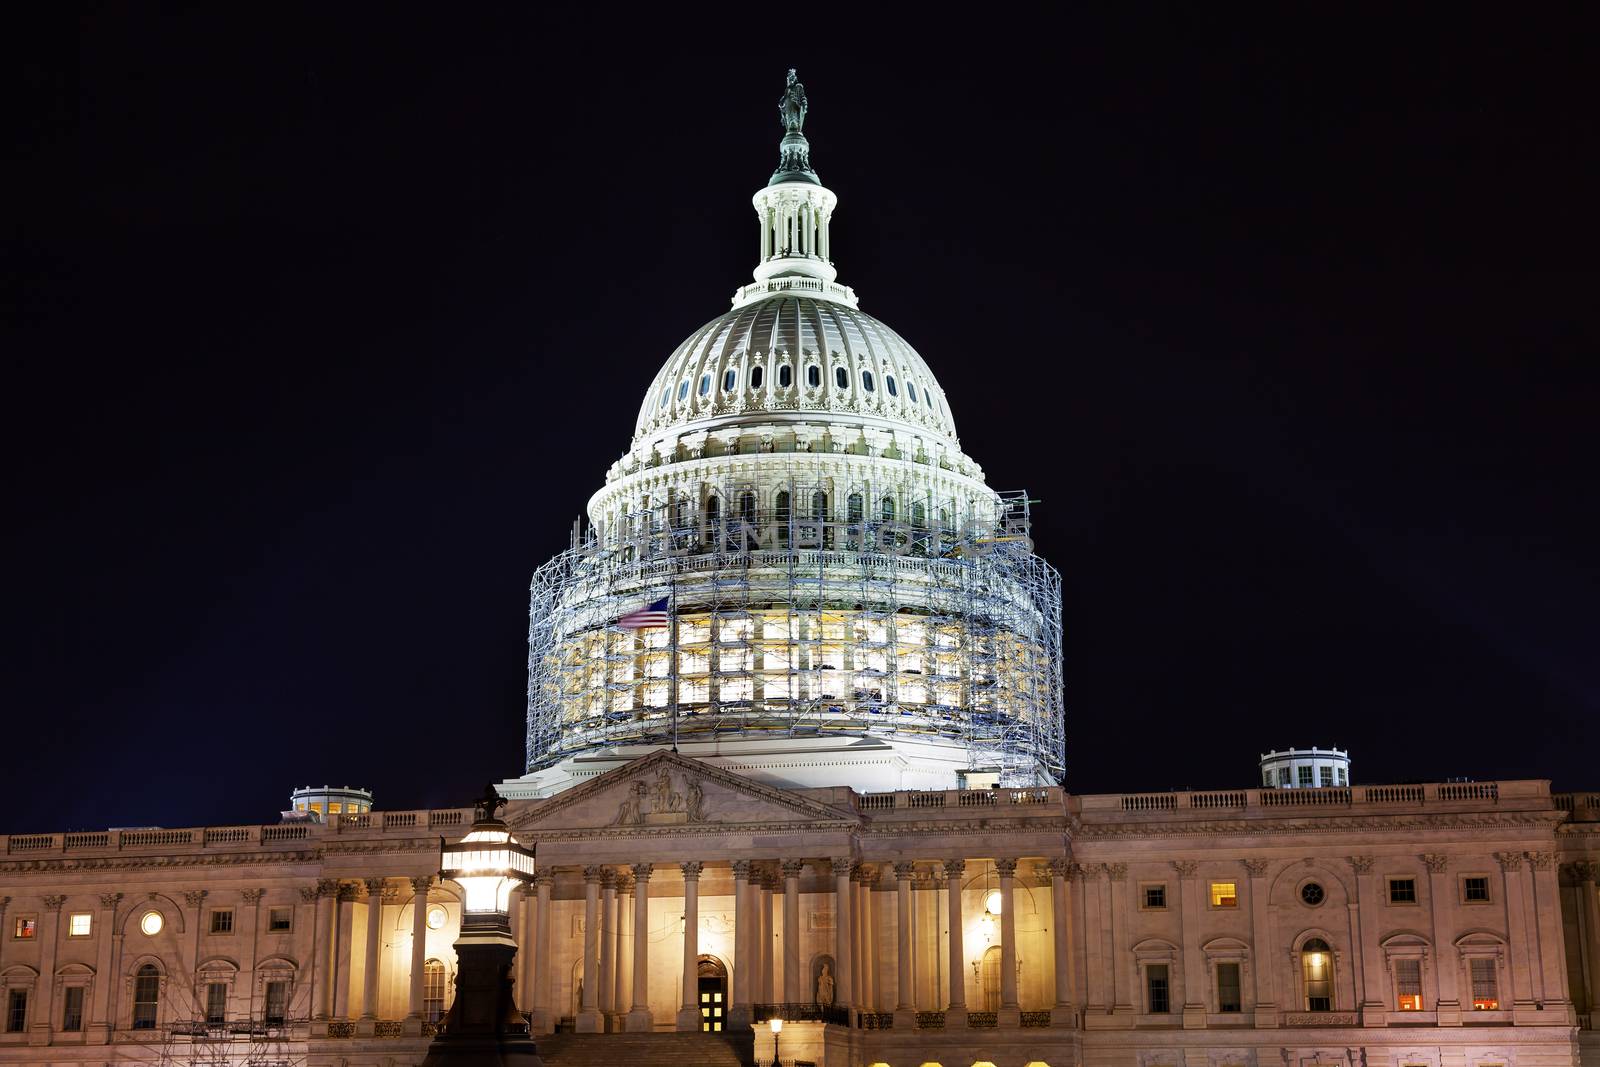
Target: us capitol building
point(795, 745)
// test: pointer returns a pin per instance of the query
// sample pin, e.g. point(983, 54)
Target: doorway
point(991, 979)
point(713, 979)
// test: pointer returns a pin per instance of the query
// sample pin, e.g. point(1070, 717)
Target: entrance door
point(713, 994)
point(991, 979)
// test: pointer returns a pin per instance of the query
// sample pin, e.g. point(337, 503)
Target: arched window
point(433, 991)
point(146, 997)
point(888, 383)
point(919, 516)
point(785, 376)
point(730, 378)
point(841, 377)
point(991, 979)
point(756, 377)
point(781, 515)
point(819, 506)
point(666, 392)
point(911, 391)
point(854, 508)
point(747, 507)
point(683, 390)
point(1316, 962)
point(813, 375)
point(888, 509)
point(705, 384)
point(867, 382)
point(927, 395)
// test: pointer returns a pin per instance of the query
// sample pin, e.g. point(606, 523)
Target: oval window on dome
point(867, 383)
point(756, 377)
point(841, 377)
point(888, 383)
point(683, 390)
point(911, 391)
point(705, 385)
point(730, 378)
point(666, 394)
point(785, 376)
point(813, 375)
point(927, 394)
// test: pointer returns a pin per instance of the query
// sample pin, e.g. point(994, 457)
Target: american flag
point(646, 618)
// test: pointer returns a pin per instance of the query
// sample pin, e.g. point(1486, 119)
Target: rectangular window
point(1475, 889)
point(1408, 985)
point(277, 1001)
point(1325, 777)
point(1344, 776)
point(222, 921)
point(1155, 977)
point(216, 1003)
point(1485, 985)
point(1224, 895)
point(80, 924)
point(1303, 774)
point(280, 920)
point(1228, 995)
point(25, 929)
point(1283, 776)
point(72, 1008)
point(1155, 897)
point(17, 1011)
point(1402, 890)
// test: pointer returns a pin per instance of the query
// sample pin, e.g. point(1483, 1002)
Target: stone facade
point(1145, 930)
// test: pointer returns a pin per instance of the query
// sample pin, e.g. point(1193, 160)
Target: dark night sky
point(326, 321)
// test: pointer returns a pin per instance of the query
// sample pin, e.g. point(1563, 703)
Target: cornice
point(126, 863)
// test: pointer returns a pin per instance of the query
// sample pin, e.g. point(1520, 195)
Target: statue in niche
point(696, 806)
point(825, 984)
point(793, 105)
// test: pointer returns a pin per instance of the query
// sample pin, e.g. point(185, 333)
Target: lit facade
point(861, 830)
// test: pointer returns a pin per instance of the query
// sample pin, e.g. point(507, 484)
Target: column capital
point(1186, 868)
point(1361, 864)
point(841, 867)
point(348, 891)
point(1059, 868)
point(691, 870)
point(1542, 861)
point(594, 874)
point(327, 887)
point(793, 868)
point(1006, 867)
point(741, 870)
point(192, 897)
point(252, 897)
point(1116, 872)
point(1077, 872)
point(308, 894)
point(1509, 861)
point(54, 903)
point(905, 872)
point(1585, 871)
point(954, 868)
point(543, 877)
point(608, 878)
point(420, 883)
point(625, 884)
point(642, 871)
point(1256, 868)
point(374, 886)
point(109, 901)
point(1436, 862)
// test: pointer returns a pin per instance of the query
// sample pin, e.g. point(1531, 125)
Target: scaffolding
point(791, 618)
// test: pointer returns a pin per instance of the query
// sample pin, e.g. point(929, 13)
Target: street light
point(484, 1026)
point(777, 1028)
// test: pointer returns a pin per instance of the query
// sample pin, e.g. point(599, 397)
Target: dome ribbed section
point(795, 356)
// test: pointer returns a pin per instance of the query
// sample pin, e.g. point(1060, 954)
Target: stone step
point(666, 1049)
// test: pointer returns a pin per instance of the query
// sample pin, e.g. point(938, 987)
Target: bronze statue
point(793, 105)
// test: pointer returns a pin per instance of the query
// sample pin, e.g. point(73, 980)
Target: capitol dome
point(794, 569)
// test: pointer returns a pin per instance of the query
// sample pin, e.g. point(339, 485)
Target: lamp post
point(484, 1026)
point(777, 1028)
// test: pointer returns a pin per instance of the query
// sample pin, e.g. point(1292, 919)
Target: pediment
point(668, 789)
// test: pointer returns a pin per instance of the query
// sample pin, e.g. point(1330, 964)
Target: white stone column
point(343, 950)
point(588, 1020)
point(689, 1001)
point(743, 963)
point(322, 979)
point(543, 1015)
point(844, 993)
point(1116, 935)
point(42, 1011)
point(1010, 1011)
point(1064, 1012)
point(1261, 934)
point(1587, 877)
point(869, 942)
point(793, 991)
point(527, 951)
point(955, 1016)
point(606, 987)
point(639, 1020)
point(1367, 910)
point(904, 1004)
point(1191, 909)
point(767, 951)
point(1442, 895)
point(100, 1011)
point(419, 948)
point(621, 985)
point(1552, 950)
point(1520, 971)
point(369, 972)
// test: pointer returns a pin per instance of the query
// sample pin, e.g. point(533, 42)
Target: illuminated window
point(1475, 889)
point(911, 391)
point(813, 376)
point(436, 917)
point(705, 385)
point(25, 929)
point(335, 808)
point(316, 806)
point(1155, 897)
point(222, 921)
point(730, 378)
point(80, 924)
point(1316, 962)
point(72, 1009)
point(756, 377)
point(146, 997)
point(277, 1006)
point(1402, 890)
point(1485, 985)
point(433, 991)
point(216, 1004)
point(1156, 985)
point(151, 923)
point(888, 383)
point(867, 382)
point(280, 920)
point(1408, 985)
point(841, 377)
point(17, 1011)
point(1224, 895)
point(1228, 988)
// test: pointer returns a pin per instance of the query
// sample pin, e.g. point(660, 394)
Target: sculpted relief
point(659, 802)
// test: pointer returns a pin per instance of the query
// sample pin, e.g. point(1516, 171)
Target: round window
point(1312, 894)
point(151, 923)
point(436, 917)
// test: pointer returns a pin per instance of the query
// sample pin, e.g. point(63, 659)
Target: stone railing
point(1446, 796)
point(1321, 1018)
point(876, 1020)
point(983, 799)
point(208, 837)
point(983, 1020)
point(930, 1020)
point(800, 1013)
point(1584, 807)
point(1035, 1019)
point(388, 1028)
